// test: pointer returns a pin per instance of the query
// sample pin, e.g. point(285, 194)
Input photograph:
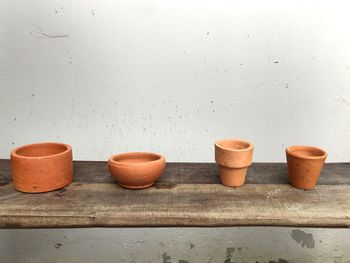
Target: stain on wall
point(303, 238)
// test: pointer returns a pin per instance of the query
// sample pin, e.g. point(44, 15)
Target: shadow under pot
point(41, 167)
point(136, 170)
point(305, 164)
point(233, 158)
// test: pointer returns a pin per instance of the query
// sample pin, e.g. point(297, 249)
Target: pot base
point(301, 185)
point(232, 177)
point(42, 189)
point(136, 186)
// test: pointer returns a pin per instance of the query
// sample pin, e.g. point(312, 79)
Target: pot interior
point(41, 150)
point(234, 144)
point(136, 158)
point(306, 151)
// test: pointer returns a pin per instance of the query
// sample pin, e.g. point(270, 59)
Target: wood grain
point(108, 205)
point(188, 194)
point(199, 173)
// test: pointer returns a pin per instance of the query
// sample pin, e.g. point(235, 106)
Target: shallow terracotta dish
point(41, 167)
point(233, 158)
point(136, 169)
point(305, 164)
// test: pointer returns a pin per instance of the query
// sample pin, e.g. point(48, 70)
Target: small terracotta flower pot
point(136, 170)
point(233, 158)
point(41, 167)
point(305, 164)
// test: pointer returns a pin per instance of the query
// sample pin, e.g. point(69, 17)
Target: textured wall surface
point(176, 245)
point(174, 76)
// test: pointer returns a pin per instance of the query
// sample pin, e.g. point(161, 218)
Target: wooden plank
point(108, 205)
point(199, 173)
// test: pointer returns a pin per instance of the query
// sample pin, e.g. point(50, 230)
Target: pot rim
point(251, 146)
point(15, 154)
point(289, 151)
point(160, 158)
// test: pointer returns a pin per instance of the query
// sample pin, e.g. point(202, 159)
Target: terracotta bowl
point(305, 164)
point(136, 170)
point(41, 167)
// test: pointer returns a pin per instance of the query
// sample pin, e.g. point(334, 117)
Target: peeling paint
point(166, 258)
point(47, 35)
point(58, 245)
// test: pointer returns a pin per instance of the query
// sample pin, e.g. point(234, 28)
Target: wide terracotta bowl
point(41, 167)
point(136, 170)
point(305, 164)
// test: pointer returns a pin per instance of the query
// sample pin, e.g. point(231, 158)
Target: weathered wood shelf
point(188, 194)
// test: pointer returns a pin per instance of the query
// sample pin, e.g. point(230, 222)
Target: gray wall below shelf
point(176, 245)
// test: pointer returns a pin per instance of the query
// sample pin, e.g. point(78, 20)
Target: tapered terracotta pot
point(305, 164)
point(233, 158)
point(136, 170)
point(41, 167)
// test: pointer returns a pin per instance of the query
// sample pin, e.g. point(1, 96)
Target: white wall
point(174, 76)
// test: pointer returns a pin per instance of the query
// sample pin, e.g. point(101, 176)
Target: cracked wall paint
point(47, 35)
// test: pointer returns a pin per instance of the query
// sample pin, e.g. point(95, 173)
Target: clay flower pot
point(305, 164)
point(233, 158)
point(136, 170)
point(41, 167)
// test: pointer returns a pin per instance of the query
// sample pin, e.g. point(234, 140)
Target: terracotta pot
point(233, 158)
point(136, 169)
point(41, 167)
point(305, 164)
